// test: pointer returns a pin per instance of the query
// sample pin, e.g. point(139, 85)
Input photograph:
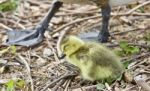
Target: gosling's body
point(95, 61)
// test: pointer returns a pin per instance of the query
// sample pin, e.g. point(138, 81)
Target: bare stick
point(141, 5)
point(63, 33)
point(143, 85)
point(28, 71)
point(55, 81)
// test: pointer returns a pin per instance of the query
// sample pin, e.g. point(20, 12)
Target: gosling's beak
point(62, 56)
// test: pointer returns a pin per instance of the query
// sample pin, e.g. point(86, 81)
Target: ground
point(37, 67)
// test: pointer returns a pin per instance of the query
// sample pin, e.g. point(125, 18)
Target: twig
point(137, 56)
point(141, 5)
point(28, 71)
point(58, 84)
point(77, 13)
point(20, 25)
point(131, 30)
point(143, 84)
point(129, 88)
point(6, 27)
point(73, 22)
point(53, 50)
point(123, 32)
point(60, 39)
point(67, 85)
point(34, 2)
point(85, 88)
point(131, 44)
point(137, 63)
point(55, 81)
point(140, 14)
point(14, 22)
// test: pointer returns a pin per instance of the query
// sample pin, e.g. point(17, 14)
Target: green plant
point(12, 85)
point(8, 5)
point(127, 49)
point(10, 49)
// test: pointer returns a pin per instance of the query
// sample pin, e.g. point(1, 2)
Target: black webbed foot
point(103, 37)
point(33, 37)
point(24, 38)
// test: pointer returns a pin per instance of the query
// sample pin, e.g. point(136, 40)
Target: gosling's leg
point(104, 33)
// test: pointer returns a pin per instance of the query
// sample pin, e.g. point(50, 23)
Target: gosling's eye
point(66, 47)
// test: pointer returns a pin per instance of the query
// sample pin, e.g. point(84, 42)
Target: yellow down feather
point(95, 61)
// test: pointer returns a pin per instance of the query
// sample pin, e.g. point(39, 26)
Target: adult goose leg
point(33, 37)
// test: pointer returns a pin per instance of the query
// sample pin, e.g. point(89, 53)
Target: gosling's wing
point(102, 56)
point(93, 52)
point(82, 54)
point(105, 59)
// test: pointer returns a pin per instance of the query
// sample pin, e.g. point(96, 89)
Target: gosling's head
point(71, 44)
